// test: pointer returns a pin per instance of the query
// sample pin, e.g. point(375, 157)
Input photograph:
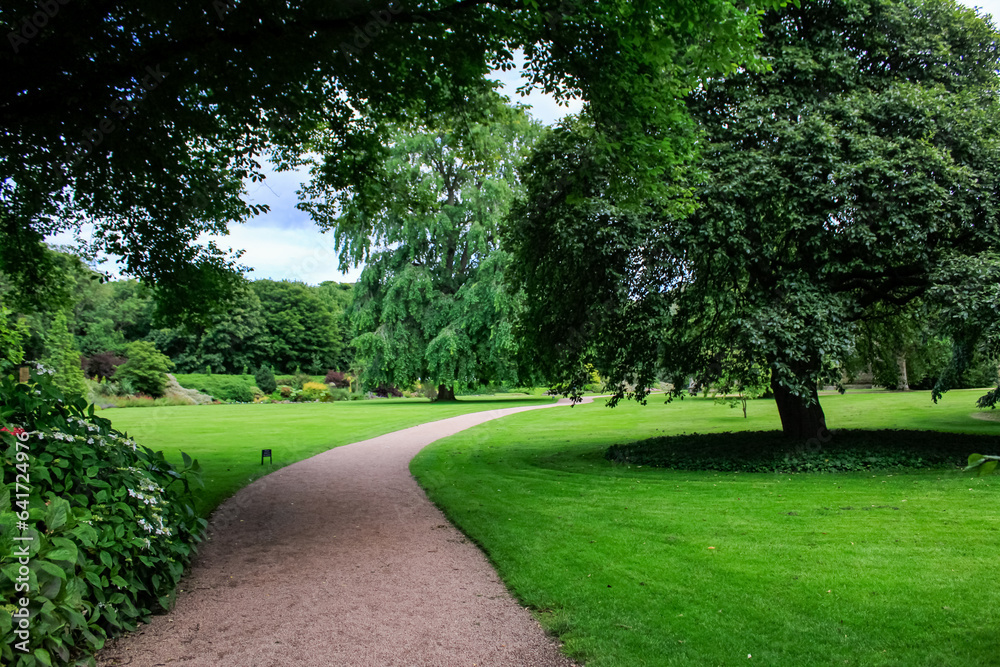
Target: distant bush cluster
point(769, 451)
point(338, 380)
point(112, 524)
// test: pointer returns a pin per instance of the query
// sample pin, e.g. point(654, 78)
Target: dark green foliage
point(967, 292)
point(235, 388)
point(147, 120)
point(112, 524)
point(284, 324)
point(989, 399)
point(228, 341)
point(146, 368)
point(593, 273)
point(769, 451)
point(430, 304)
point(63, 358)
point(832, 188)
point(386, 391)
point(299, 327)
point(264, 378)
point(12, 334)
point(108, 316)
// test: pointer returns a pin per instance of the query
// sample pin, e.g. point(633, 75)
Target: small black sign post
point(267, 453)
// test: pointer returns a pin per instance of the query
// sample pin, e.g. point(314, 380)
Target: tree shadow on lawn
point(843, 450)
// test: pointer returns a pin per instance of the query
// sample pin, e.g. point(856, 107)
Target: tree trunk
point(798, 420)
point(904, 383)
point(445, 393)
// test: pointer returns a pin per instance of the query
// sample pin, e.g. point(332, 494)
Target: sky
point(284, 244)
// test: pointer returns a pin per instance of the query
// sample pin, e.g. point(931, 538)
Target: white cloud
point(280, 252)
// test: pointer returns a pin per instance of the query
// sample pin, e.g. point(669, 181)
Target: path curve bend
point(341, 560)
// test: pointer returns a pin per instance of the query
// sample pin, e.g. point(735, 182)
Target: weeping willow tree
point(429, 305)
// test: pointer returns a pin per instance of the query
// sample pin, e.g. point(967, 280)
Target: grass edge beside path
point(227, 439)
point(631, 566)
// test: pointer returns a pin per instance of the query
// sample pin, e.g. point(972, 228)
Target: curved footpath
point(341, 560)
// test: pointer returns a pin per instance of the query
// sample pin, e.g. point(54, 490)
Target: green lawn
point(227, 439)
point(646, 566)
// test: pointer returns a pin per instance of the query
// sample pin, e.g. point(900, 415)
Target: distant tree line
point(288, 325)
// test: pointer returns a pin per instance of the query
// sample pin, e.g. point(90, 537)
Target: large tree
point(301, 331)
point(233, 340)
point(832, 188)
point(146, 118)
point(429, 304)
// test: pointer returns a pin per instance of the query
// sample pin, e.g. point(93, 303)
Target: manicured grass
point(638, 566)
point(227, 439)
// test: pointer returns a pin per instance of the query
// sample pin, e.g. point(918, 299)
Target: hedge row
point(769, 451)
point(95, 530)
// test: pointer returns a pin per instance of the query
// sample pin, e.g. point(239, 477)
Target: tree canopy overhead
point(831, 189)
point(146, 118)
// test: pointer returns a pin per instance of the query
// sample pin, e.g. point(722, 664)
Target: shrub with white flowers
point(109, 526)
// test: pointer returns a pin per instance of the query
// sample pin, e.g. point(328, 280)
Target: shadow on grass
point(843, 450)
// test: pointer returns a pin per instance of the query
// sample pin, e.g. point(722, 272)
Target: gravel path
point(341, 560)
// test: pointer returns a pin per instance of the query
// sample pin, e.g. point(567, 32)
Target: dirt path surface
point(341, 560)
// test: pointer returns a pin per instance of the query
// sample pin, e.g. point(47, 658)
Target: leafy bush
point(64, 359)
point(146, 368)
point(299, 379)
point(221, 387)
point(769, 451)
point(314, 391)
point(387, 390)
point(427, 390)
point(340, 394)
point(264, 377)
point(302, 378)
point(13, 332)
point(284, 391)
point(112, 525)
point(124, 387)
point(338, 380)
point(102, 366)
point(142, 401)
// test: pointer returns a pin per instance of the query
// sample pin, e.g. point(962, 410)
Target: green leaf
point(65, 550)
point(43, 656)
point(988, 468)
point(57, 513)
point(52, 568)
